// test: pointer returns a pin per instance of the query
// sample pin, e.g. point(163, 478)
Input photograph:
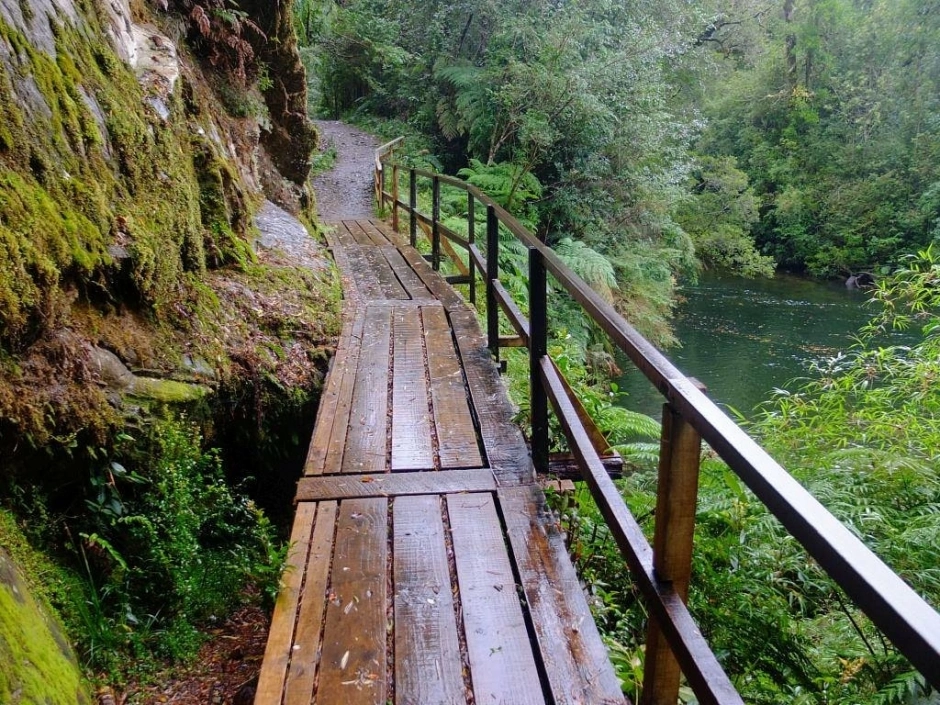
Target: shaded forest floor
point(224, 673)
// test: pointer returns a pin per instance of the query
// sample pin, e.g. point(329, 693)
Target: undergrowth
point(155, 547)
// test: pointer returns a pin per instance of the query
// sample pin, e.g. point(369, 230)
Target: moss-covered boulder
point(37, 665)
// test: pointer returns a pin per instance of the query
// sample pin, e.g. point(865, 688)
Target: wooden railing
point(662, 571)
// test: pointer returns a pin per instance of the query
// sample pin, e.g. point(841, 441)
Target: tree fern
point(507, 183)
point(461, 109)
point(589, 264)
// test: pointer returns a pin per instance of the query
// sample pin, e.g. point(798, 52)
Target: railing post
point(676, 498)
point(381, 187)
point(435, 225)
point(412, 205)
point(471, 238)
point(395, 197)
point(538, 348)
point(492, 276)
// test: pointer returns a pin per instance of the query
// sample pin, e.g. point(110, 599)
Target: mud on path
point(345, 191)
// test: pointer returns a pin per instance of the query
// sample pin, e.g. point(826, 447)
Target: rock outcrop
point(291, 139)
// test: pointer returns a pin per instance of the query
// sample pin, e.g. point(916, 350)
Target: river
point(744, 337)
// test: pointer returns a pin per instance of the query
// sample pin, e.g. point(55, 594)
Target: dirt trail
point(345, 192)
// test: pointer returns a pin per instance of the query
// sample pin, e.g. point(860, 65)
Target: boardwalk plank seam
point(311, 614)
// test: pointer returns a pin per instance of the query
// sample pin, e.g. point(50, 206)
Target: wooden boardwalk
point(424, 567)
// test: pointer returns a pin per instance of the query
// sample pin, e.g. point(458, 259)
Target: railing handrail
point(385, 149)
point(905, 618)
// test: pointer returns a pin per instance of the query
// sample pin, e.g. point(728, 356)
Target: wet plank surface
point(423, 565)
point(581, 672)
point(303, 665)
point(456, 433)
point(315, 489)
point(366, 437)
point(428, 664)
point(352, 666)
point(412, 443)
point(502, 664)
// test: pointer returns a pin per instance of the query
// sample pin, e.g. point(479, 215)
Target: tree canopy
point(798, 133)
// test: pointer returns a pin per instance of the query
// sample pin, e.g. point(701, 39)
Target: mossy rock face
point(36, 663)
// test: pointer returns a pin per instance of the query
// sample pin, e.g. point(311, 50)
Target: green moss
point(223, 208)
point(75, 183)
point(36, 662)
point(173, 202)
point(40, 239)
point(167, 391)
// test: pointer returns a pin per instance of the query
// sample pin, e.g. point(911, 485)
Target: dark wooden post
point(435, 224)
point(676, 498)
point(492, 275)
point(471, 238)
point(538, 348)
point(412, 205)
point(395, 197)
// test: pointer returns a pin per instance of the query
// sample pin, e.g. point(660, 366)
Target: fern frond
point(589, 264)
point(901, 689)
point(505, 182)
point(640, 454)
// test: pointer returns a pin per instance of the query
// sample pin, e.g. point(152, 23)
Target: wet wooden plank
point(340, 232)
point(358, 234)
point(306, 647)
point(408, 303)
point(277, 652)
point(406, 275)
point(457, 441)
point(428, 664)
point(312, 489)
point(502, 665)
point(575, 659)
point(361, 272)
point(376, 236)
point(411, 412)
point(505, 449)
point(431, 279)
point(366, 439)
point(353, 661)
point(390, 286)
point(339, 239)
point(333, 411)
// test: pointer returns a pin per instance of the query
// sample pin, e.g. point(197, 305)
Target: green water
point(744, 337)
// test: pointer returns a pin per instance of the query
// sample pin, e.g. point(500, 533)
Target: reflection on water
point(744, 337)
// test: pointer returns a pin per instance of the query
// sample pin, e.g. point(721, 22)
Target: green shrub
point(165, 548)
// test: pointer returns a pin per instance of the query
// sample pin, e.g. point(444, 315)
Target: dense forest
point(743, 134)
point(645, 141)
